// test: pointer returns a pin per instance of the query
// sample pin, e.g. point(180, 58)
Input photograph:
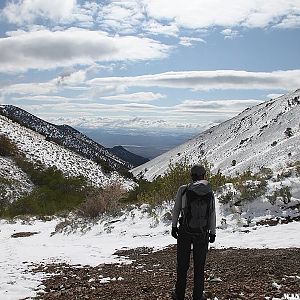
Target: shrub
point(104, 164)
point(164, 188)
point(7, 147)
point(54, 192)
point(288, 132)
point(246, 175)
point(250, 186)
point(249, 191)
point(226, 198)
point(125, 173)
point(101, 200)
point(266, 173)
point(5, 184)
point(49, 199)
point(233, 163)
point(298, 170)
point(217, 180)
point(284, 193)
point(274, 143)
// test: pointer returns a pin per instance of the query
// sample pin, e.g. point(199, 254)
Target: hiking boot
point(204, 297)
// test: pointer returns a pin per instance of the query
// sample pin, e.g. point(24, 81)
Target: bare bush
point(101, 201)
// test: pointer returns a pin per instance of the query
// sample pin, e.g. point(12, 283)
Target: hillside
point(71, 139)
point(38, 149)
point(266, 135)
point(124, 154)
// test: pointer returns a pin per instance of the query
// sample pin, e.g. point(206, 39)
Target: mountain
point(124, 154)
point(266, 135)
point(39, 149)
point(72, 139)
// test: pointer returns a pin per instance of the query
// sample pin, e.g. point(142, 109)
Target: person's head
point(197, 172)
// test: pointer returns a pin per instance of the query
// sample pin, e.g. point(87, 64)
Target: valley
point(118, 226)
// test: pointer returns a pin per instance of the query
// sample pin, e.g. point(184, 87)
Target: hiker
point(194, 209)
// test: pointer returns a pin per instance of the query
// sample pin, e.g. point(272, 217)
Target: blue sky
point(147, 63)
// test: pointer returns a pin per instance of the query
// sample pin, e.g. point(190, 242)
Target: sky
point(146, 63)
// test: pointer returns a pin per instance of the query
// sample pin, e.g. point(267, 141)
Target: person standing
point(194, 210)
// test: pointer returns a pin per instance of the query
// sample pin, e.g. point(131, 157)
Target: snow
point(138, 227)
point(38, 149)
point(246, 138)
point(20, 183)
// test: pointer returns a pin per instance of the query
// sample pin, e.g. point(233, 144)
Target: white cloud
point(230, 34)
point(27, 11)
point(205, 14)
point(30, 88)
point(88, 109)
point(96, 92)
point(215, 106)
point(46, 49)
point(291, 21)
point(156, 28)
point(47, 98)
point(189, 41)
point(155, 16)
point(94, 115)
point(121, 16)
point(208, 80)
point(136, 97)
point(135, 122)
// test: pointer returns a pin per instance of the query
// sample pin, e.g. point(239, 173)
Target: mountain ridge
point(124, 154)
point(72, 139)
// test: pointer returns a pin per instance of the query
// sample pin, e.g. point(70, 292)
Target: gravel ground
point(230, 274)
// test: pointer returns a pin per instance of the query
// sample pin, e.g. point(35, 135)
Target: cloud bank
point(230, 13)
point(129, 15)
point(46, 49)
point(208, 80)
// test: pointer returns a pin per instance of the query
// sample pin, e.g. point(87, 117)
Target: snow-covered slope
point(13, 181)
point(257, 137)
point(66, 136)
point(37, 149)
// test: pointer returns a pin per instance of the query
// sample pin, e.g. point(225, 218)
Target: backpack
point(196, 213)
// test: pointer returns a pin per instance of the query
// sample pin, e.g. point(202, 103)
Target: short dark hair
point(198, 169)
point(197, 172)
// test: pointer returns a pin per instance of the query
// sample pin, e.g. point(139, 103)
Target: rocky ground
point(230, 274)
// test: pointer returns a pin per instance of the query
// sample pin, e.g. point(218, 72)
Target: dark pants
point(200, 246)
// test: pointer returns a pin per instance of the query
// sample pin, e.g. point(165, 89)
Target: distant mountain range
point(116, 158)
point(266, 135)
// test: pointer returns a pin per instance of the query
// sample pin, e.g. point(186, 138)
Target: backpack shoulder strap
point(208, 210)
point(185, 189)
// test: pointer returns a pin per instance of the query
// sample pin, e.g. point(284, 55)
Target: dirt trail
point(230, 274)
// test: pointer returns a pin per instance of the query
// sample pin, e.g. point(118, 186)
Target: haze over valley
point(148, 143)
